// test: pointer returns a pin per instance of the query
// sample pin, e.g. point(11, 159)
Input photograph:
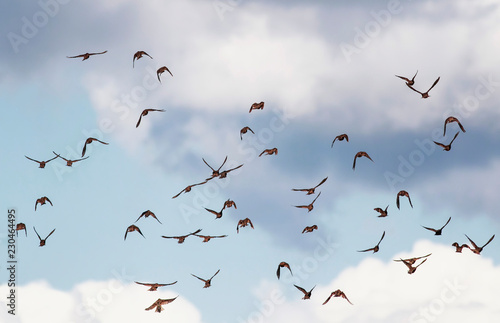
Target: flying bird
point(376, 248)
point(310, 190)
point(224, 173)
point(243, 223)
point(215, 172)
point(188, 189)
point(476, 249)
point(180, 239)
point(207, 238)
point(425, 94)
point(229, 203)
point(42, 241)
point(272, 151)
point(281, 265)
point(154, 286)
point(158, 304)
point(42, 163)
point(459, 247)
point(403, 193)
point(42, 200)
point(69, 162)
point(438, 232)
point(146, 214)
point(138, 55)
point(21, 226)
point(145, 113)
point(307, 295)
point(383, 213)
point(310, 229)
point(218, 215)
point(207, 281)
point(412, 269)
point(337, 293)
point(411, 261)
point(408, 81)
point(257, 106)
point(448, 146)
point(360, 154)
point(86, 55)
point(161, 70)
point(310, 206)
point(244, 131)
point(89, 141)
point(133, 228)
point(449, 120)
point(340, 138)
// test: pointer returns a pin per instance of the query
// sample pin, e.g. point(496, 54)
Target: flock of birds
point(218, 173)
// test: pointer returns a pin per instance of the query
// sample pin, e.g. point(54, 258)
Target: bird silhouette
point(21, 226)
point(376, 248)
point(42, 163)
point(408, 81)
point(403, 193)
point(309, 190)
point(449, 120)
point(89, 141)
point(145, 113)
point(139, 55)
point(243, 223)
point(229, 203)
point(337, 293)
point(425, 95)
point(159, 302)
point(208, 282)
point(459, 247)
point(310, 206)
point(188, 189)
point(69, 162)
point(257, 106)
point(383, 213)
point(411, 261)
point(215, 172)
point(307, 294)
point(340, 138)
point(448, 146)
point(438, 232)
point(86, 55)
point(154, 286)
point(360, 154)
point(244, 131)
point(281, 265)
point(42, 241)
point(272, 151)
point(146, 214)
point(310, 228)
point(161, 70)
point(42, 200)
point(180, 239)
point(218, 215)
point(412, 269)
point(476, 249)
point(133, 228)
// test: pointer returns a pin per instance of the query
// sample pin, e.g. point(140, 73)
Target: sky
point(322, 68)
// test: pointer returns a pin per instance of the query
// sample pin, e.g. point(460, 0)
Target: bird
point(408, 81)
point(87, 55)
point(207, 281)
point(310, 206)
point(69, 162)
point(459, 247)
point(383, 213)
point(411, 261)
point(269, 151)
point(42, 200)
point(138, 55)
point(42, 163)
point(307, 295)
point(215, 172)
point(337, 293)
point(244, 131)
point(403, 193)
point(376, 248)
point(425, 95)
point(133, 228)
point(281, 265)
point(146, 214)
point(448, 146)
point(218, 215)
point(224, 173)
point(89, 141)
point(180, 239)
point(207, 238)
point(161, 70)
point(310, 229)
point(154, 286)
point(360, 154)
point(159, 302)
point(243, 223)
point(21, 226)
point(188, 189)
point(229, 203)
point(340, 138)
point(310, 190)
point(477, 250)
point(412, 269)
point(257, 106)
point(438, 232)
point(452, 119)
point(42, 241)
point(145, 113)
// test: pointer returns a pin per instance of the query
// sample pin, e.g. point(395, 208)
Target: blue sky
point(322, 69)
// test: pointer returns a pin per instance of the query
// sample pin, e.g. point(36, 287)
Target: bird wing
point(34, 159)
point(383, 235)
point(488, 241)
point(414, 89)
point(199, 278)
point(316, 198)
point(430, 229)
point(403, 78)
point(367, 250)
point(354, 163)
point(472, 242)
point(330, 294)
point(50, 234)
point(37, 234)
point(84, 149)
point(139, 121)
point(324, 180)
point(98, 53)
point(454, 138)
point(446, 223)
point(214, 274)
point(49, 201)
point(301, 289)
point(435, 82)
point(76, 56)
point(225, 159)
point(178, 194)
point(439, 144)
point(208, 164)
point(397, 200)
